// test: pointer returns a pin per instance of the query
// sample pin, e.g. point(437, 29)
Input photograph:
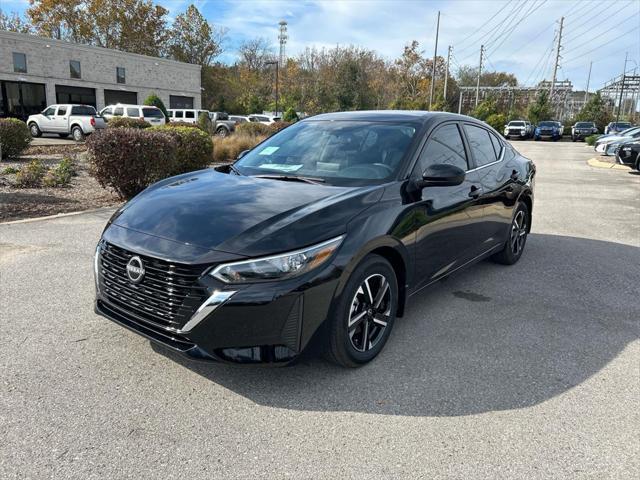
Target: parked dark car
point(616, 127)
point(548, 129)
point(325, 230)
point(629, 154)
point(582, 130)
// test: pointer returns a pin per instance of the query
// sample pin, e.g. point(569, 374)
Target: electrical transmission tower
point(282, 38)
point(555, 66)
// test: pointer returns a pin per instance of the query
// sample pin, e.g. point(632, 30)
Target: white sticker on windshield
point(269, 150)
point(281, 167)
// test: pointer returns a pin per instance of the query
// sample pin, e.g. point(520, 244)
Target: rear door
point(449, 219)
point(60, 123)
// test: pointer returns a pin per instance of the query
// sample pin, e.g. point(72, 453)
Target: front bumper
point(268, 322)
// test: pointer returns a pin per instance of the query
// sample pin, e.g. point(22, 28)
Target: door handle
point(475, 192)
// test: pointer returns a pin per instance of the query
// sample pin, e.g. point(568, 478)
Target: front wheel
point(363, 315)
point(518, 232)
point(35, 130)
point(77, 134)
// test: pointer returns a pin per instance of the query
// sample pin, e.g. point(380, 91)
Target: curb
point(58, 215)
point(594, 162)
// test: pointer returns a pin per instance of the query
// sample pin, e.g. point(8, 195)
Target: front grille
point(167, 296)
point(514, 132)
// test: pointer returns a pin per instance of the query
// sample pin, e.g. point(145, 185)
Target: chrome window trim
point(492, 163)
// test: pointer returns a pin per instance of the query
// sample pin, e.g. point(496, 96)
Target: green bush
point(204, 123)
point(31, 175)
point(181, 124)
point(127, 122)
point(128, 159)
point(253, 129)
point(591, 139)
point(61, 175)
point(193, 148)
point(497, 121)
point(10, 171)
point(14, 137)
point(153, 100)
point(290, 115)
point(227, 149)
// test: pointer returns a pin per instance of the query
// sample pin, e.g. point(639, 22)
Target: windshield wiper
point(293, 178)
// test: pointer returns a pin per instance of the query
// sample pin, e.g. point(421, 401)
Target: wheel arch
point(526, 198)
point(74, 125)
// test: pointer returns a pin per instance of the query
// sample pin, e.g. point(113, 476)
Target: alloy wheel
point(518, 232)
point(370, 312)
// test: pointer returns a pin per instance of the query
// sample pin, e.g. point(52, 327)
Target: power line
point(608, 30)
point(532, 9)
point(485, 23)
point(602, 45)
point(500, 30)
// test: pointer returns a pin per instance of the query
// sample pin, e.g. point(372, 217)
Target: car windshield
point(628, 131)
point(349, 153)
point(547, 124)
point(584, 125)
point(622, 125)
point(516, 124)
point(152, 113)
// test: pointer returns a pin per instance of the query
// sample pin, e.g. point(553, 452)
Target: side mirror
point(442, 175)
point(242, 154)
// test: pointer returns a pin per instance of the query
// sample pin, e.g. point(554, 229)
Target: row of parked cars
point(548, 129)
point(81, 120)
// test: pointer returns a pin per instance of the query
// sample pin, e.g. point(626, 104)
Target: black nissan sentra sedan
point(325, 230)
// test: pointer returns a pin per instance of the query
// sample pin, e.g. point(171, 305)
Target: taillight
point(93, 121)
point(142, 118)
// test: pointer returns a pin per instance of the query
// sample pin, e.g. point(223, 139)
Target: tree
point(255, 53)
point(290, 115)
point(468, 77)
point(595, 110)
point(540, 109)
point(193, 40)
point(154, 100)
point(136, 26)
point(14, 23)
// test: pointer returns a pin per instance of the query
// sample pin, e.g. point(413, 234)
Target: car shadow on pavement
point(491, 338)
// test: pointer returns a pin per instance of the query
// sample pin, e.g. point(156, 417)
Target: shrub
point(290, 115)
point(14, 137)
point(204, 123)
point(181, 124)
point(227, 149)
point(193, 148)
point(497, 121)
point(60, 176)
point(277, 126)
point(591, 139)
point(128, 159)
point(127, 122)
point(10, 171)
point(31, 175)
point(252, 129)
point(154, 101)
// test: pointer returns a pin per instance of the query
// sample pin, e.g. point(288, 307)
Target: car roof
point(420, 116)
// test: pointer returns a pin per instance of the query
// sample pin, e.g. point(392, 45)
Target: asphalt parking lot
point(530, 371)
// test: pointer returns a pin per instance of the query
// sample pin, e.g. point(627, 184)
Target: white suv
point(187, 115)
point(150, 114)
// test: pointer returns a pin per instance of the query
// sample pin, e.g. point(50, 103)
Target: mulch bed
point(82, 193)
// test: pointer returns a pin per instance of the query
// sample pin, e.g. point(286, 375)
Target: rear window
point(83, 110)
point(152, 113)
point(481, 145)
point(223, 116)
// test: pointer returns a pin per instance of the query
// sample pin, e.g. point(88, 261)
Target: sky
point(519, 35)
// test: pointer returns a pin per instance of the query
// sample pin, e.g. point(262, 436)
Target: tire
point(637, 164)
point(35, 130)
point(63, 135)
point(77, 133)
point(222, 132)
point(357, 330)
point(511, 252)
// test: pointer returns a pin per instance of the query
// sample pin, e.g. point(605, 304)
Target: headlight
point(277, 267)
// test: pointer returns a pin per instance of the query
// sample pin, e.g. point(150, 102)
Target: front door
point(449, 218)
point(47, 119)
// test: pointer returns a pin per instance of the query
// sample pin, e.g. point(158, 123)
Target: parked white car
point(148, 113)
point(519, 129)
point(238, 119)
point(264, 119)
point(187, 115)
point(65, 120)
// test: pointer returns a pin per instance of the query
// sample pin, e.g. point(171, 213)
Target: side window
point(481, 145)
point(497, 145)
point(189, 114)
point(62, 110)
point(118, 112)
point(179, 114)
point(49, 111)
point(444, 146)
point(107, 111)
point(133, 112)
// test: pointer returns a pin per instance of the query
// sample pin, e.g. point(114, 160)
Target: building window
point(74, 69)
point(120, 78)
point(19, 62)
point(176, 101)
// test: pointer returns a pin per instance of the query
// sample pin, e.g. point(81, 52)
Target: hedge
point(14, 137)
point(129, 160)
point(193, 148)
point(256, 128)
point(127, 122)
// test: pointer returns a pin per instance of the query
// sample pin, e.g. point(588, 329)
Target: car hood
point(243, 215)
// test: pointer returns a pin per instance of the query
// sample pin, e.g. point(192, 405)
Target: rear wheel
point(35, 130)
point(363, 316)
point(222, 132)
point(77, 134)
point(518, 232)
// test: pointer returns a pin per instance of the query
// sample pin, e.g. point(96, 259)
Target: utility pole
point(446, 76)
point(460, 103)
point(479, 73)
point(624, 70)
point(555, 66)
point(586, 93)
point(433, 72)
